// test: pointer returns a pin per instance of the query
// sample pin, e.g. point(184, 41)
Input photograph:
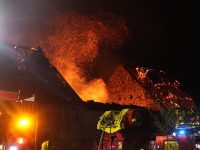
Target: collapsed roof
point(147, 88)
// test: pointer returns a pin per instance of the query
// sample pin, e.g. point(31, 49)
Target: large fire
point(72, 43)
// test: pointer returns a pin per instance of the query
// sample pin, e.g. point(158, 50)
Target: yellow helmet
point(47, 145)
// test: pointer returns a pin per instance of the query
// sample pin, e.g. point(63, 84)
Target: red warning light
point(21, 140)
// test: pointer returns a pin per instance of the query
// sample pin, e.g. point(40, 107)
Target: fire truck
point(17, 122)
point(131, 129)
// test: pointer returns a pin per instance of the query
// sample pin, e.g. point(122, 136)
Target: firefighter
point(47, 145)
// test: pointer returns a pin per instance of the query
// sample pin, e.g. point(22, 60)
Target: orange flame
point(72, 42)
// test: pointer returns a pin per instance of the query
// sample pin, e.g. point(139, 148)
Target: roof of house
point(144, 87)
point(164, 89)
point(27, 70)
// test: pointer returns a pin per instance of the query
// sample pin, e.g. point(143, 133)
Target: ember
point(73, 43)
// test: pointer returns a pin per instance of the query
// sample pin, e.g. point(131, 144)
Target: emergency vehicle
point(18, 122)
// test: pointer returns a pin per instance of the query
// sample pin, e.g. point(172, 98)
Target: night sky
point(164, 34)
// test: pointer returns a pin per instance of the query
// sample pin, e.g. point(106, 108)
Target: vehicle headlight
point(13, 148)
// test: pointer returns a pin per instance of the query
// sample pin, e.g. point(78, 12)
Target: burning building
point(70, 122)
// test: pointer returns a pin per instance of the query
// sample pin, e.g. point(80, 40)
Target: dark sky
point(165, 33)
point(166, 36)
